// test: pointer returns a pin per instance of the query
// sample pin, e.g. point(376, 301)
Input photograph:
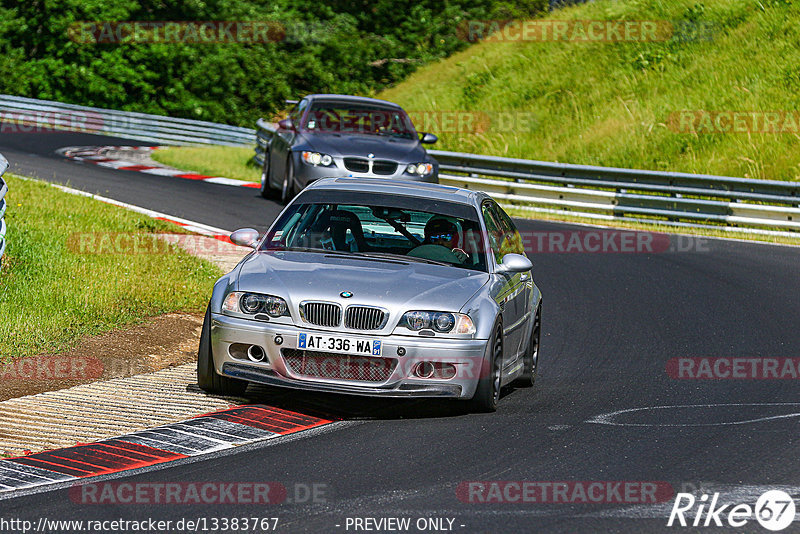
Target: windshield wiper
point(389, 255)
point(397, 135)
point(374, 255)
point(317, 250)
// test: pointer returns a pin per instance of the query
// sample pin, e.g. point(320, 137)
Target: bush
point(340, 46)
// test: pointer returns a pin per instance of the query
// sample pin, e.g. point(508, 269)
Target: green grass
point(609, 103)
point(51, 295)
point(225, 161)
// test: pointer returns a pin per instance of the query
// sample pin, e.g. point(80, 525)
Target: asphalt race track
point(612, 321)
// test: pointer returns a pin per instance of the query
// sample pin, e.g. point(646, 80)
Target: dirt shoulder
point(158, 343)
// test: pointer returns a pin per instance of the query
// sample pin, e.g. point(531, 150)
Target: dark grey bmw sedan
point(344, 136)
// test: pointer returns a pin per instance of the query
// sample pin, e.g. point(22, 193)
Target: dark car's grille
point(338, 366)
point(379, 166)
point(356, 164)
point(384, 167)
point(364, 318)
point(322, 313)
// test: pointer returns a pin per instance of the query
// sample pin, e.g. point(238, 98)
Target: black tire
point(531, 358)
point(487, 395)
point(287, 191)
point(266, 190)
point(207, 377)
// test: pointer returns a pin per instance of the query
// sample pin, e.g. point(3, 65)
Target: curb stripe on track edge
point(202, 434)
point(91, 155)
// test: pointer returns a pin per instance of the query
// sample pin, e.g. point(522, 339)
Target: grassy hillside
point(608, 103)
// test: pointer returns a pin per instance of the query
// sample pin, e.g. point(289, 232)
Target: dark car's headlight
point(442, 322)
point(253, 303)
point(316, 158)
point(419, 169)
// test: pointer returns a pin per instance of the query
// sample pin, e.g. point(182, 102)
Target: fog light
point(424, 370)
point(437, 370)
point(255, 353)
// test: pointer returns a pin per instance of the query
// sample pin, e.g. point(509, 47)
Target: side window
point(512, 240)
point(494, 230)
point(504, 238)
point(297, 112)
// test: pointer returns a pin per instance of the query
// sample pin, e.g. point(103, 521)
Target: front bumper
point(305, 173)
point(467, 356)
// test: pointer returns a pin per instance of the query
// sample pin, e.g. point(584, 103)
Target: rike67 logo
point(774, 510)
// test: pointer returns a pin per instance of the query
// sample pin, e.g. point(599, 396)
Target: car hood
point(299, 276)
point(392, 148)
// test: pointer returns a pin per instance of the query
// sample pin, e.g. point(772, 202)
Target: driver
point(441, 242)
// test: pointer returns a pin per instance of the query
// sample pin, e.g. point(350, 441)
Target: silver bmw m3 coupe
point(380, 288)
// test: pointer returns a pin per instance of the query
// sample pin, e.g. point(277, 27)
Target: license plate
point(339, 344)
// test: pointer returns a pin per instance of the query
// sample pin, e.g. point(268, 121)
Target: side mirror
point(245, 237)
point(515, 263)
point(428, 139)
point(286, 124)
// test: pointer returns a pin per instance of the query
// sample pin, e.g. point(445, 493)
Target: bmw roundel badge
point(345, 294)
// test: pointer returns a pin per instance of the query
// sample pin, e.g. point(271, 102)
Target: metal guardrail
point(43, 115)
point(625, 193)
point(3, 191)
point(614, 193)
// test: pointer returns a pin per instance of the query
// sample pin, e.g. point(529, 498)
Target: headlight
point(252, 303)
point(421, 169)
point(315, 158)
point(442, 322)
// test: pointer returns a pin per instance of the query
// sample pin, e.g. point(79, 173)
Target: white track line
point(192, 226)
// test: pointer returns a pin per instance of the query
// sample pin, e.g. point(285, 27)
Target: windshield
point(384, 232)
point(351, 117)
